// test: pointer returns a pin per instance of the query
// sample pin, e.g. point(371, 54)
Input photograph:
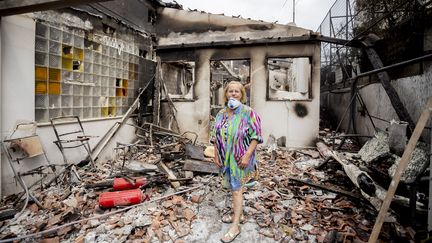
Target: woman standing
point(235, 135)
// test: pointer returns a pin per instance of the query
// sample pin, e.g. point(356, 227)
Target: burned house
point(280, 62)
point(91, 63)
point(140, 82)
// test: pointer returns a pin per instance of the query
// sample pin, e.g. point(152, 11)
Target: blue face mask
point(233, 103)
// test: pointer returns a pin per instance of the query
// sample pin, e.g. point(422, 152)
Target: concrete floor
point(208, 226)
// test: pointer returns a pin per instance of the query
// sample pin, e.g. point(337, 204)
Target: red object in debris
point(123, 184)
point(121, 198)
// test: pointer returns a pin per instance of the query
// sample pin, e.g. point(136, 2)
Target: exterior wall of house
point(279, 118)
point(17, 95)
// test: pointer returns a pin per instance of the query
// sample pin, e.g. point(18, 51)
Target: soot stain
point(300, 110)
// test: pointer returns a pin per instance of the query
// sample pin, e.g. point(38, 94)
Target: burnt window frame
point(309, 93)
point(190, 96)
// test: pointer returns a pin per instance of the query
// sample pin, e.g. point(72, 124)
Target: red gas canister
point(123, 184)
point(121, 198)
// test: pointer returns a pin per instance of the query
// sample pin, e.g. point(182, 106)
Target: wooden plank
point(200, 166)
point(400, 169)
point(170, 174)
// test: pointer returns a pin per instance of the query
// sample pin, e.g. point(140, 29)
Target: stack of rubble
point(301, 196)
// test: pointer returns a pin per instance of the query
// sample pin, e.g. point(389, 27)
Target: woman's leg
point(237, 206)
point(234, 230)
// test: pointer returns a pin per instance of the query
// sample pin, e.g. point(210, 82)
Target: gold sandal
point(229, 236)
point(228, 218)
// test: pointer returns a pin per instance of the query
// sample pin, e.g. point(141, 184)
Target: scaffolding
point(351, 20)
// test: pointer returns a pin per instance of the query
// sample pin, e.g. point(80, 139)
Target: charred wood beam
point(236, 43)
point(12, 7)
point(276, 40)
point(397, 104)
point(357, 197)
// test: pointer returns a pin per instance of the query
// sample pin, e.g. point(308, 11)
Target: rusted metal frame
point(13, 7)
point(378, 70)
point(424, 117)
point(397, 104)
point(363, 104)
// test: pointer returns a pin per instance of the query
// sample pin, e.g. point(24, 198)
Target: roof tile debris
point(292, 201)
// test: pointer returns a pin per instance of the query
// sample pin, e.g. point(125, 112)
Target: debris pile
point(303, 195)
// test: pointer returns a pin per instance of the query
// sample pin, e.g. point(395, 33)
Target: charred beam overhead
point(12, 7)
point(236, 43)
point(276, 40)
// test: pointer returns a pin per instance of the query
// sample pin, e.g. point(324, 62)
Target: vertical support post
point(430, 185)
point(156, 97)
point(1, 110)
point(346, 19)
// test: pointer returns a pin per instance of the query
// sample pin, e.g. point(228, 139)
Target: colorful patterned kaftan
point(232, 137)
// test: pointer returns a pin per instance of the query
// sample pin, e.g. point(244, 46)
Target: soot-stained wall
point(298, 121)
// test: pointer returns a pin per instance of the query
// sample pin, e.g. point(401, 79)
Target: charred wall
point(296, 120)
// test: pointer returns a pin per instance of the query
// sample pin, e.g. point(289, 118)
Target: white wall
point(17, 102)
point(278, 117)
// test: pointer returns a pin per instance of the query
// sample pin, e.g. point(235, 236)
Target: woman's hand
point(217, 162)
point(216, 158)
point(244, 161)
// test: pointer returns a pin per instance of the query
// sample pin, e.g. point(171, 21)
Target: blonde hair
point(242, 90)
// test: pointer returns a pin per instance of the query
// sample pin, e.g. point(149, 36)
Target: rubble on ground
point(293, 201)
